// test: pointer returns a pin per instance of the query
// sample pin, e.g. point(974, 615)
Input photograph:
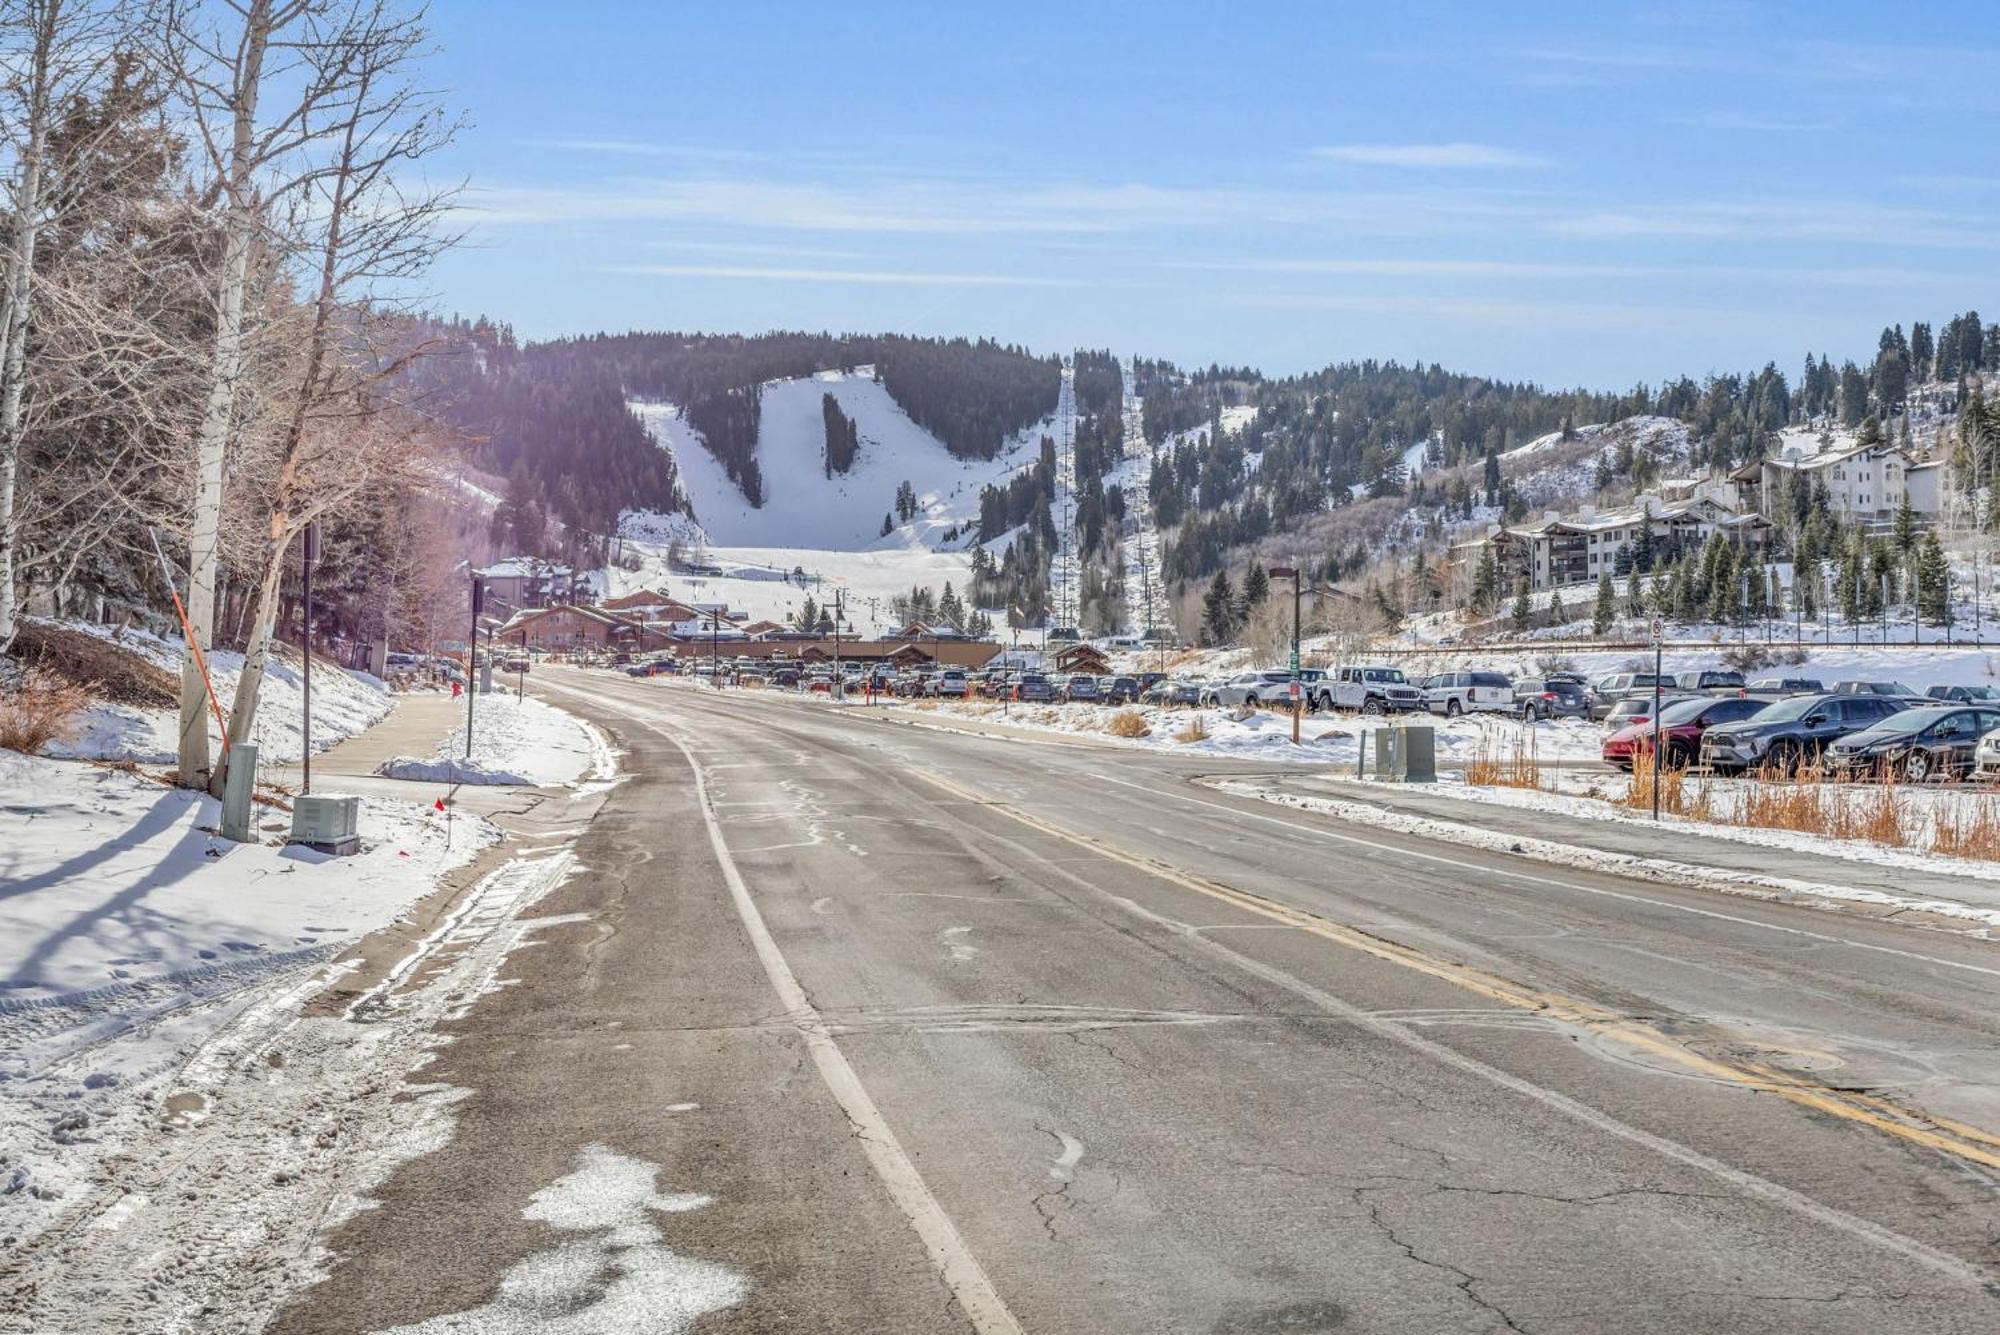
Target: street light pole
point(472, 652)
point(1298, 696)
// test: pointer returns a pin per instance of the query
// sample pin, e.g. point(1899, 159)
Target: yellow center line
point(1954, 1138)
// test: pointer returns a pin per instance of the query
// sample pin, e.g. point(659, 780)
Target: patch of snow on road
point(619, 1275)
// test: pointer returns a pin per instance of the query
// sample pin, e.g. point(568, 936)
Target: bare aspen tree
point(226, 57)
point(56, 52)
point(363, 227)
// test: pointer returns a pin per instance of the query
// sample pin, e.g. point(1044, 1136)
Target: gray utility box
point(327, 824)
point(1406, 754)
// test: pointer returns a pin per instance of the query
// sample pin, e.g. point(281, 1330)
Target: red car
point(1681, 727)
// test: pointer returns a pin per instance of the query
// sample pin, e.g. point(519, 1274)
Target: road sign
point(1658, 630)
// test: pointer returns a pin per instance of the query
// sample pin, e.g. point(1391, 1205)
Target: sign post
point(311, 556)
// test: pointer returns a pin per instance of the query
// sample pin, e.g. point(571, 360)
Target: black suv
point(1551, 697)
point(1792, 732)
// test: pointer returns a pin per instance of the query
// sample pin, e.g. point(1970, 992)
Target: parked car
point(1267, 686)
point(785, 676)
point(1608, 691)
point(1710, 681)
point(1119, 690)
point(949, 684)
point(1793, 732)
point(1786, 686)
point(1034, 688)
point(1892, 689)
point(1455, 693)
point(1638, 709)
point(1918, 744)
point(1538, 698)
point(1173, 691)
point(1986, 759)
point(1679, 730)
point(1965, 695)
point(1081, 689)
point(1368, 690)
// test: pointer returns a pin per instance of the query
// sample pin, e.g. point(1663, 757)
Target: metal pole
point(311, 557)
point(1298, 694)
point(1656, 725)
point(472, 652)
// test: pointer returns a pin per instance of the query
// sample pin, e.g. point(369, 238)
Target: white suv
point(1252, 688)
point(1370, 690)
point(1455, 693)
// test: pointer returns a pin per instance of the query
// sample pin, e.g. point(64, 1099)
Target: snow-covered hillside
point(805, 509)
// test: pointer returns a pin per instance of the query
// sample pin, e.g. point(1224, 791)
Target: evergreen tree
point(1725, 589)
point(1492, 475)
point(1256, 586)
point(1218, 612)
point(1933, 582)
point(1524, 609)
point(1853, 574)
point(1684, 609)
point(1906, 525)
point(807, 617)
point(1392, 615)
point(888, 525)
point(1558, 614)
point(1607, 605)
point(1486, 580)
point(1756, 593)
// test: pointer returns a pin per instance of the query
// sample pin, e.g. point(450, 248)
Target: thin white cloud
point(1751, 123)
point(887, 277)
point(1857, 276)
point(1453, 156)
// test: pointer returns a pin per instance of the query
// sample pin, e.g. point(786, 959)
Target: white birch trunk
point(257, 648)
point(226, 365)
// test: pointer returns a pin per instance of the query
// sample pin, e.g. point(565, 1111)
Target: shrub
point(1747, 657)
point(1195, 731)
point(1128, 724)
point(109, 670)
point(37, 708)
point(1520, 767)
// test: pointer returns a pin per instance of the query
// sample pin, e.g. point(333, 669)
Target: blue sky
point(1575, 193)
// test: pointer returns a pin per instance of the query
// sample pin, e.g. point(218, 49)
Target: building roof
point(639, 598)
point(523, 567)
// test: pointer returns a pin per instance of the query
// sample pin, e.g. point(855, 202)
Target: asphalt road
point(934, 1032)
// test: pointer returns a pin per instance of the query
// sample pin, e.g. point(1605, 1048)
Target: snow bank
point(1267, 735)
point(518, 741)
point(448, 771)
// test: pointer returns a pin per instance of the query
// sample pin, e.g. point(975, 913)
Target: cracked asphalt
point(1146, 1107)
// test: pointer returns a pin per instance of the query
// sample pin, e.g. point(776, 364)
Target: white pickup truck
point(1367, 690)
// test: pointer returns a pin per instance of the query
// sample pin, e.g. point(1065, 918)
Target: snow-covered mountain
point(806, 509)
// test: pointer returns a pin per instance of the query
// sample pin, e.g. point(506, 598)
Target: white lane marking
point(1533, 879)
point(1064, 1167)
point(961, 1270)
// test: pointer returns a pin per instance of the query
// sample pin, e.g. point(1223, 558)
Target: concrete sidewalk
point(1748, 863)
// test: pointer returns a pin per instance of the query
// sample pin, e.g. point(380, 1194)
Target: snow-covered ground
point(344, 702)
point(131, 933)
point(1267, 735)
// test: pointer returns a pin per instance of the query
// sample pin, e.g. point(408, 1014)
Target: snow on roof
point(522, 567)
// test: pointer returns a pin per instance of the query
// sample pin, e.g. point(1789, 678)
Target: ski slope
point(803, 507)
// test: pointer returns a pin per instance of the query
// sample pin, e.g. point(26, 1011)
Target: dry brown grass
point(107, 670)
point(1195, 731)
point(37, 708)
point(1516, 766)
point(1674, 794)
point(1128, 723)
point(1972, 832)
